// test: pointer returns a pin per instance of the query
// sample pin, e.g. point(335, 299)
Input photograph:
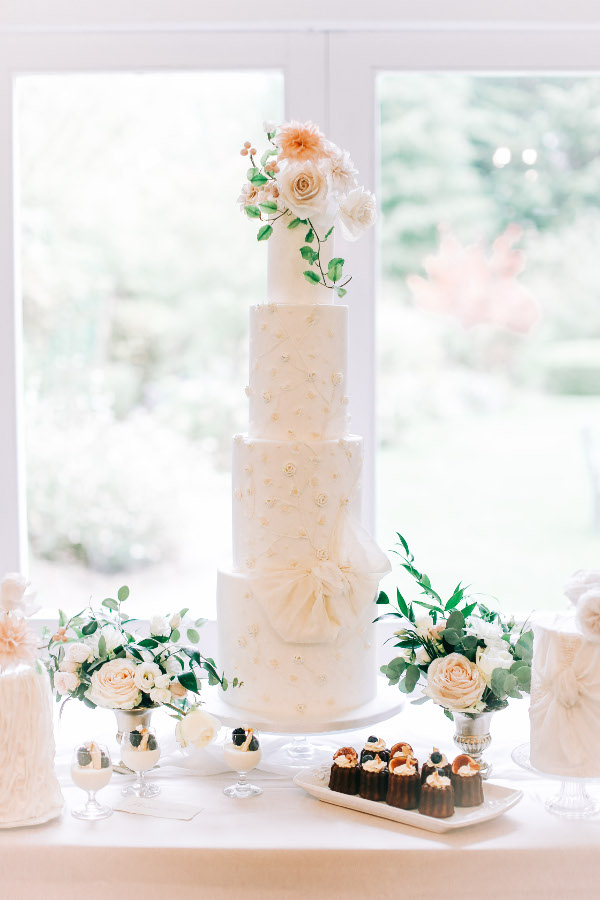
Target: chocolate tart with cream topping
point(375, 746)
point(466, 781)
point(373, 777)
point(404, 784)
point(437, 796)
point(437, 762)
point(345, 773)
point(403, 751)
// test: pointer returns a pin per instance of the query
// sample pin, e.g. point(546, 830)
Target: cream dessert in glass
point(140, 753)
point(242, 754)
point(91, 770)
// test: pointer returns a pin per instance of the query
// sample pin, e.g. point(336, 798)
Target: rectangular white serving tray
point(497, 800)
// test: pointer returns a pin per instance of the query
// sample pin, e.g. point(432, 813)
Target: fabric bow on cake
point(583, 590)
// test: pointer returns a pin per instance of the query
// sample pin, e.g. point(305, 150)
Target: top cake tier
point(298, 367)
point(285, 265)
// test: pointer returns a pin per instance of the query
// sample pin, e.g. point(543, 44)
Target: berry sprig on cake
point(309, 183)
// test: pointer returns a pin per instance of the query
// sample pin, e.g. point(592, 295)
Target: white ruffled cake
point(295, 611)
point(28, 785)
point(565, 685)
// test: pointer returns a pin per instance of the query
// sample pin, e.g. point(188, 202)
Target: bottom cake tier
point(285, 681)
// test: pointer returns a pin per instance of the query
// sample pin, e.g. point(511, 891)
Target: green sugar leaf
point(335, 268)
point(252, 211)
point(269, 206)
point(264, 233)
point(312, 277)
point(328, 233)
point(295, 222)
point(258, 180)
point(310, 236)
point(309, 254)
point(341, 292)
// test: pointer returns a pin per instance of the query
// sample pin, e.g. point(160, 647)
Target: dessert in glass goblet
point(242, 754)
point(91, 770)
point(140, 753)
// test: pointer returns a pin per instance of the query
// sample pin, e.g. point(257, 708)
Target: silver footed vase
point(129, 719)
point(472, 736)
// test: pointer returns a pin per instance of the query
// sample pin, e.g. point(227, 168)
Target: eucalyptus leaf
point(102, 646)
point(192, 635)
point(175, 635)
point(413, 673)
point(109, 603)
point(451, 636)
point(90, 628)
point(123, 593)
point(456, 621)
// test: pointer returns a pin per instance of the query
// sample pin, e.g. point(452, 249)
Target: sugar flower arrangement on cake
point(18, 643)
point(309, 183)
point(99, 657)
point(462, 655)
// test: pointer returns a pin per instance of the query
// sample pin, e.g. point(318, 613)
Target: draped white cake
point(295, 611)
point(565, 699)
point(29, 789)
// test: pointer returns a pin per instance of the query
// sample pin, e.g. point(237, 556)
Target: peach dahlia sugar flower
point(299, 142)
point(18, 644)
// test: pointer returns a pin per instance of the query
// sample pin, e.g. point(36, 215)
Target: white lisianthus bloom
point(197, 729)
point(113, 685)
point(68, 665)
point(111, 635)
point(65, 682)
point(160, 695)
point(145, 676)
point(159, 626)
point(78, 652)
point(303, 188)
point(494, 656)
point(172, 666)
point(162, 681)
point(587, 614)
point(489, 632)
point(358, 211)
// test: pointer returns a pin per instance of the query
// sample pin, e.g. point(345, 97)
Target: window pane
point(137, 273)
point(489, 329)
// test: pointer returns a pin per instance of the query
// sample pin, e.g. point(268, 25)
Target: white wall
point(310, 14)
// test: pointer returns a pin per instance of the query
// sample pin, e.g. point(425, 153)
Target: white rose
point(145, 676)
point(113, 685)
point(494, 656)
point(65, 682)
point(68, 665)
point(580, 582)
point(198, 728)
point(77, 652)
point(162, 681)
point(14, 596)
point(303, 188)
point(111, 635)
point(160, 695)
point(454, 682)
point(357, 212)
point(587, 614)
point(159, 626)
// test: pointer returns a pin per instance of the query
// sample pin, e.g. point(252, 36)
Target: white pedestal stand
point(572, 800)
point(286, 756)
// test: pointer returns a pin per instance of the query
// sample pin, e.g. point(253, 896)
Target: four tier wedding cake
point(295, 611)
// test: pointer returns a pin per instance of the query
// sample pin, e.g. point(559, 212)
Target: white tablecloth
point(287, 844)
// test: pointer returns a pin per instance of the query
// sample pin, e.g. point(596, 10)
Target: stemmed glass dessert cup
point(140, 753)
point(242, 754)
point(91, 770)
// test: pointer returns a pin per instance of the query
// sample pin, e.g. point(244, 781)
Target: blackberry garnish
point(135, 738)
point(84, 757)
point(151, 742)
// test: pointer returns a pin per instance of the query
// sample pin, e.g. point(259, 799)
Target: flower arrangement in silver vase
point(462, 654)
point(99, 657)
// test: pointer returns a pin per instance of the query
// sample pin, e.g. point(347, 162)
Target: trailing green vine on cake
point(311, 183)
point(463, 654)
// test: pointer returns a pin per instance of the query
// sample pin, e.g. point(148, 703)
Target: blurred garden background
point(137, 271)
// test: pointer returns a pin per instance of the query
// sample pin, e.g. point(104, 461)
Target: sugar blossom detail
point(18, 644)
point(321, 499)
point(302, 141)
point(289, 469)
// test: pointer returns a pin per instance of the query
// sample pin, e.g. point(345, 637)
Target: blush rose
point(454, 682)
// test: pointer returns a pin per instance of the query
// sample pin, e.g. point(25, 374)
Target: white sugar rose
point(357, 212)
point(159, 626)
point(580, 582)
point(14, 596)
point(113, 685)
point(65, 682)
point(303, 188)
point(198, 729)
point(160, 695)
point(77, 652)
point(587, 614)
point(494, 656)
point(342, 172)
point(145, 676)
point(454, 682)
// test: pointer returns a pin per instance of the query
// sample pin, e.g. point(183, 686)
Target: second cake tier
point(291, 500)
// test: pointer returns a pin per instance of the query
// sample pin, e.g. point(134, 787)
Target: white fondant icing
point(285, 280)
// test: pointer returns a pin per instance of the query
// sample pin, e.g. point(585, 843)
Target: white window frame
point(330, 77)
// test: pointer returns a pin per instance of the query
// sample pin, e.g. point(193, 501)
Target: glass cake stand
point(298, 745)
point(572, 800)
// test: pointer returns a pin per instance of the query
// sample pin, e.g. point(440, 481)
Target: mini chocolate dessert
point(403, 751)
point(437, 762)
point(375, 745)
point(437, 796)
point(466, 781)
point(345, 774)
point(404, 785)
point(373, 777)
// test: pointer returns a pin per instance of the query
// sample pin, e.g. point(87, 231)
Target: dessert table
point(285, 843)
